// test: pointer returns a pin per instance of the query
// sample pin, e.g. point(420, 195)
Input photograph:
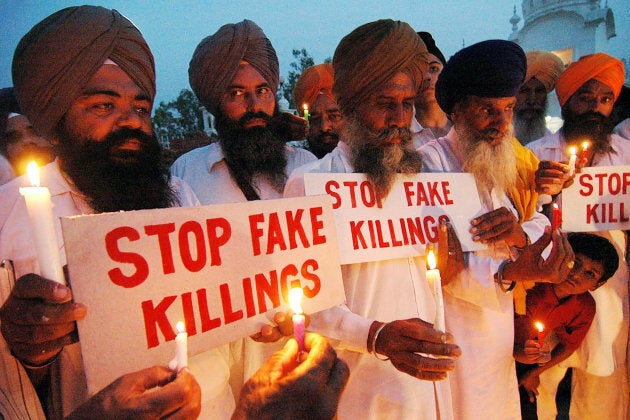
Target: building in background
point(573, 28)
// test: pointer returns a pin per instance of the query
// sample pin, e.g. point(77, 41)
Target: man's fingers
point(28, 312)
point(32, 286)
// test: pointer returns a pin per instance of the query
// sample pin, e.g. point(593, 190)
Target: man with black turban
point(378, 68)
point(477, 89)
point(429, 122)
point(587, 91)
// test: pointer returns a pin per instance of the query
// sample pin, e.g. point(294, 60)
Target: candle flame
point(539, 326)
point(585, 145)
point(180, 327)
point(33, 173)
point(295, 299)
point(431, 260)
point(305, 106)
point(573, 150)
point(555, 206)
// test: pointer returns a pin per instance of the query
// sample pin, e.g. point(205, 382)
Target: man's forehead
point(484, 101)
point(110, 77)
point(595, 86)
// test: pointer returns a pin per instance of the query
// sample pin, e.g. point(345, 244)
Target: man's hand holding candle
point(285, 389)
point(38, 319)
point(402, 342)
point(552, 177)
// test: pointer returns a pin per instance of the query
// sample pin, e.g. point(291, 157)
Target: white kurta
point(384, 291)
point(600, 382)
point(206, 171)
point(69, 379)
point(479, 314)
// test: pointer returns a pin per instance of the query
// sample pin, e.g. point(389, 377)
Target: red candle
point(556, 217)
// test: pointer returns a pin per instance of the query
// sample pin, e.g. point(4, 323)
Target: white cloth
point(206, 171)
point(16, 245)
point(6, 170)
point(623, 129)
point(479, 314)
point(384, 291)
point(604, 349)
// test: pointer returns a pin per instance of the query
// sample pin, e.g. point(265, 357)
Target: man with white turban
point(543, 69)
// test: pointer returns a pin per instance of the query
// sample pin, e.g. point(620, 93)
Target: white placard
point(598, 200)
point(219, 268)
point(406, 221)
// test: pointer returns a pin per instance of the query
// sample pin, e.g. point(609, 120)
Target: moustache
point(254, 115)
point(123, 135)
point(388, 135)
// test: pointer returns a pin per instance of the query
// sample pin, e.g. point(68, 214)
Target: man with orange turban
point(543, 69)
point(587, 90)
point(378, 68)
point(314, 90)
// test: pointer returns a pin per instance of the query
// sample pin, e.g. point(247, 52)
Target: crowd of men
point(390, 103)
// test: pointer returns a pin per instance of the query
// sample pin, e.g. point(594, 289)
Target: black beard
point(320, 145)
point(379, 160)
point(591, 126)
point(115, 180)
point(252, 151)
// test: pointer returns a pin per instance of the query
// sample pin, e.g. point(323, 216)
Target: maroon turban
point(313, 81)
point(55, 60)
point(217, 57)
point(371, 55)
point(545, 66)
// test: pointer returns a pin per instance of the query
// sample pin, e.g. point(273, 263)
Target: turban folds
point(313, 81)
point(601, 67)
point(489, 69)
point(217, 57)
point(370, 56)
point(58, 56)
point(431, 47)
point(545, 66)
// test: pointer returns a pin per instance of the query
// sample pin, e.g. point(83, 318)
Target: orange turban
point(313, 81)
point(601, 67)
point(545, 66)
point(371, 55)
point(217, 57)
point(58, 56)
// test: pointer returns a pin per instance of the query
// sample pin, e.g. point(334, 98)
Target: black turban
point(371, 55)
point(58, 56)
point(431, 47)
point(489, 69)
point(217, 57)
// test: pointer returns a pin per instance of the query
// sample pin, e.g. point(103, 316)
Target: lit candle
point(556, 217)
point(572, 159)
point(180, 360)
point(540, 328)
point(295, 298)
point(435, 283)
point(306, 114)
point(40, 214)
point(584, 153)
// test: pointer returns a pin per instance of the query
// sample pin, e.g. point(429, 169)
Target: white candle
point(435, 283)
point(180, 360)
point(39, 209)
point(572, 159)
point(295, 298)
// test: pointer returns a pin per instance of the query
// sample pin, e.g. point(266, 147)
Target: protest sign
point(598, 200)
point(404, 222)
point(220, 269)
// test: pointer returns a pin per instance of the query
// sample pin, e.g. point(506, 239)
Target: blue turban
point(489, 69)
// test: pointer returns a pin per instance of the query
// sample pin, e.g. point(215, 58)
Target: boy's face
point(584, 276)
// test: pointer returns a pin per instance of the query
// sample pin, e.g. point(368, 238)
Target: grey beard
point(379, 160)
point(528, 130)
